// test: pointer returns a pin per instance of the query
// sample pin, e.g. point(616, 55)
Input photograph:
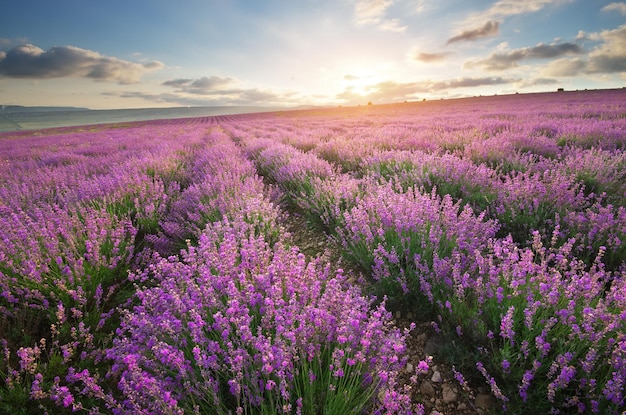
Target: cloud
point(581, 36)
point(565, 67)
point(610, 56)
point(390, 91)
point(153, 65)
point(431, 57)
point(536, 81)
point(498, 61)
point(31, 62)
point(207, 84)
point(488, 29)
point(7, 42)
point(151, 97)
point(241, 97)
point(219, 90)
point(373, 12)
point(506, 8)
point(178, 83)
point(496, 14)
point(615, 7)
point(418, 6)
point(200, 86)
point(468, 82)
point(607, 57)
point(391, 25)
point(255, 96)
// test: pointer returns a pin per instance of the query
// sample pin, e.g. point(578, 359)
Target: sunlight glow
point(361, 82)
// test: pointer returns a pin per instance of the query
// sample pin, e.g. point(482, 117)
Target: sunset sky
point(164, 53)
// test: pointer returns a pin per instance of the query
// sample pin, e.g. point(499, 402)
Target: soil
point(437, 390)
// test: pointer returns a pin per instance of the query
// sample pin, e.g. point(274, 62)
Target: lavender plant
point(401, 236)
point(544, 329)
point(222, 184)
point(239, 327)
point(62, 272)
point(445, 174)
point(293, 170)
point(68, 242)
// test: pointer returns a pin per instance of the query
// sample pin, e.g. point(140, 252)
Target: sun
point(360, 83)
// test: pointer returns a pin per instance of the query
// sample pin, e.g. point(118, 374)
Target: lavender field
point(154, 267)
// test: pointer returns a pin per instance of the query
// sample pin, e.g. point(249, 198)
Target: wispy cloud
point(200, 86)
point(506, 8)
point(615, 7)
point(247, 97)
point(468, 82)
point(488, 29)
point(7, 42)
point(474, 26)
point(178, 83)
point(479, 25)
point(498, 61)
point(525, 83)
point(371, 11)
point(431, 57)
point(374, 12)
point(30, 61)
point(218, 90)
point(391, 91)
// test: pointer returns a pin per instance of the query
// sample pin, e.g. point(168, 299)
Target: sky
point(287, 53)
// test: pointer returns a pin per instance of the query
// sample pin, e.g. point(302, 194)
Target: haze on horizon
point(158, 53)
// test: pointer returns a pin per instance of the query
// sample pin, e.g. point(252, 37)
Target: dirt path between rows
point(438, 390)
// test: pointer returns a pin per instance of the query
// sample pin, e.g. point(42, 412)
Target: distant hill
point(6, 109)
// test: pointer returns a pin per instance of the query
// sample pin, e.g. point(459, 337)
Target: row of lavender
point(75, 210)
point(519, 256)
point(527, 177)
point(97, 313)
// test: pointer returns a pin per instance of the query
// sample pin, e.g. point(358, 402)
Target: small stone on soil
point(448, 394)
point(436, 377)
point(409, 368)
point(427, 389)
